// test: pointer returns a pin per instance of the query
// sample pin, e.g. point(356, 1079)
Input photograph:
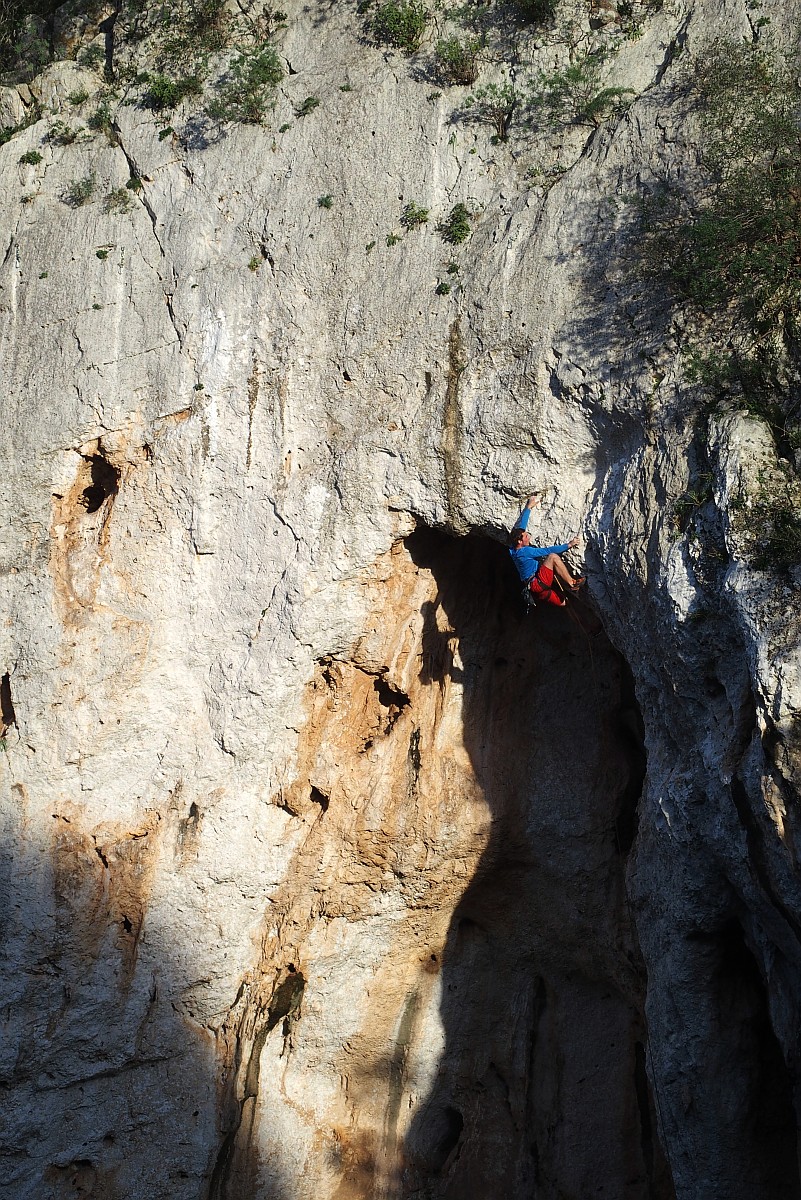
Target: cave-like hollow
point(542, 1088)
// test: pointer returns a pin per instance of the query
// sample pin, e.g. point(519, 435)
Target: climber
point(537, 565)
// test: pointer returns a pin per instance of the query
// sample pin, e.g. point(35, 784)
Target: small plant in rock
point(452, 268)
point(102, 121)
point(345, 87)
point(326, 201)
point(442, 288)
point(455, 229)
point(163, 92)
point(286, 125)
point(80, 191)
point(307, 106)
point(400, 23)
point(78, 97)
point(413, 216)
point(369, 247)
point(254, 263)
point(31, 158)
point(393, 239)
point(494, 104)
point(774, 525)
point(93, 56)
point(61, 134)
point(7, 132)
point(695, 497)
point(456, 60)
point(201, 27)
point(118, 201)
point(250, 90)
point(102, 254)
point(134, 184)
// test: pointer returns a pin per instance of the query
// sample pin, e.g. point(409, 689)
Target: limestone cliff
point(327, 871)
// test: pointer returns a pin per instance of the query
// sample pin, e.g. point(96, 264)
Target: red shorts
point(542, 589)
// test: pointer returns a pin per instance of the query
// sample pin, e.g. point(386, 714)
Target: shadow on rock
point(542, 1087)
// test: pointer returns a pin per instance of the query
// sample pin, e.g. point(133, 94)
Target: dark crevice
point(390, 698)
point(105, 483)
point(7, 715)
point(107, 29)
point(319, 797)
point(415, 759)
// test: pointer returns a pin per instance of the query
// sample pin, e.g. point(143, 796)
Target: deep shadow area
point(751, 1066)
point(541, 1088)
point(105, 482)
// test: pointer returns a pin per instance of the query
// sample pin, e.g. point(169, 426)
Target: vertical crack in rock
point(8, 717)
point(452, 416)
point(234, 1176)
point(107, 29)
point(253, 399)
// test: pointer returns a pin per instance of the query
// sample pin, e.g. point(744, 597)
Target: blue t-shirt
point(528, 558)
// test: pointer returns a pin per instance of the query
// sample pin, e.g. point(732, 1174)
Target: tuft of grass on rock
point(80, 191)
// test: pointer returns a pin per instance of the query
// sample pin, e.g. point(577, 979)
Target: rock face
point(327, 872)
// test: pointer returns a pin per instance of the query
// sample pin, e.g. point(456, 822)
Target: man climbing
point(537, 565)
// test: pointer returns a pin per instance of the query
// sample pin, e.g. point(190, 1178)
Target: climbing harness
point(543, 593)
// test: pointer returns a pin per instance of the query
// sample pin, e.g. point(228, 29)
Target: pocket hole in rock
point(105, 481)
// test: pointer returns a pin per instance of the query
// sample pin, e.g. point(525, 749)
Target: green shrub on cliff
point(455, 228)
point(576, 95)
point(494, 104)
point(164, 92)
point(457, 60)
point(400, 23)
point(249, 91)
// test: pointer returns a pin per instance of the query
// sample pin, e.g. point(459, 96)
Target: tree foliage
point(736, 244)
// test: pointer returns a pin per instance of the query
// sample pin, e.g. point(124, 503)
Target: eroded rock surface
point(326, 872)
